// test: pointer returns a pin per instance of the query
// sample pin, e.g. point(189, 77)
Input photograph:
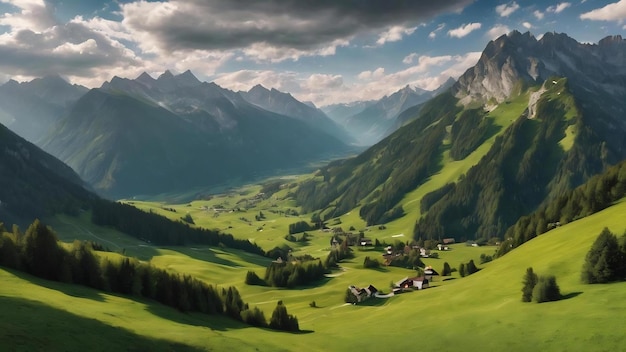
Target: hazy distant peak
point(188, 78)
point(258, 88)
point(165, 75)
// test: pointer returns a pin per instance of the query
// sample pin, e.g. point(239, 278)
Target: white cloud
point(527, 25)
point(464, 30)
point(505, 10)
point(559, 7)
point(538, 14)
point(394, 34)
point(433, 34)
point(497, 30)
point(368, 75)
point(611, 12)
point(318, 82)
point(410, 58)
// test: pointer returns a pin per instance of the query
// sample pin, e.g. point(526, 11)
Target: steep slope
point(554, 138)
point(285, 104)
point(31, 108)
point(34, 183)
point(175, 133)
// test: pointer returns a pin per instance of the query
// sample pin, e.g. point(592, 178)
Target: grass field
point(479, 312)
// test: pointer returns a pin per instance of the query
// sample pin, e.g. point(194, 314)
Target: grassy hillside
point(480, 312)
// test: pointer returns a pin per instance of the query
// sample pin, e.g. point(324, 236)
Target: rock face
point(515, 60)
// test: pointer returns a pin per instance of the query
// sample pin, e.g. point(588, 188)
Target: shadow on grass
point(571, 295)
point(212, 321)
point(205, 254)
point(57, 330)
point(72, 290)
point(449, 278)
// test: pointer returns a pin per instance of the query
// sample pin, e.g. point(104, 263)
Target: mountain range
point(369, 122)
point(531, 119)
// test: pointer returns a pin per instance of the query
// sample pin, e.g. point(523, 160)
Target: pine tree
point(546, 290)
point(447, 271)
point(603, 261)
point(462, 271)
point(281, 320)
point(530, 280)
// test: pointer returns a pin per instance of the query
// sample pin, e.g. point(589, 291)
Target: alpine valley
point(463, 193)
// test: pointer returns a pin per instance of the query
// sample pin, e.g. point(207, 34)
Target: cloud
point(394, 34)
point(464, 30)
point(559, 7)
point(538, 14)
point(318, 81)
point(300, 26)
point(497, 30)
point(611, 12)
point(527, 25)
point(505, 10)
point(433, 34)
point(368, 75)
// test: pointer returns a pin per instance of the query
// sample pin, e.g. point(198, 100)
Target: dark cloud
point(297, 24)
point(71, 48)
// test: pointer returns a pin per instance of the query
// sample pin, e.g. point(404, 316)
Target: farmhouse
point(362, 294)
point(429, 272)
point(412, 283)
point(448, 241)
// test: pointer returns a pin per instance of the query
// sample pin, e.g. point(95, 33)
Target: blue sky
point(325, 51)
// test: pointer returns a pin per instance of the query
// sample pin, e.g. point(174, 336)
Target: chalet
point(442, 247)
point(448, 241)
point(362, 294)
point(365, 242)
point(429, 272)
point(407, 283)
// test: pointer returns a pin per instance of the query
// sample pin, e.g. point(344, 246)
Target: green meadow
point(479, 312)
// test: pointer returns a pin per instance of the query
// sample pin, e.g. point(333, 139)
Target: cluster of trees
point(539, 288)
point(468, 132)
point(598, 193)
point(606, 260)
point(282, 320)
point(304, 237)
point(38, 252)
point(467, 269)
point(160, 230)
point(413, 260)
point(338, 254)
point(291, 274)
point(300, 226)
point(369, 263)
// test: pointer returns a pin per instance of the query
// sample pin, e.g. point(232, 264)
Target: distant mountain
point(34, 183)
point(543, 116)
point(341, 112)
point(379, 119)
point(30, 108)
point(150, 136)
point(285, 104)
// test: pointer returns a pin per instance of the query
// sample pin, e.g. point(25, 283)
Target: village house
point(362, 294)
point(413, 283)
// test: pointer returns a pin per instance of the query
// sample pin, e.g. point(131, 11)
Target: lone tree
point(530, 280)
point(546, 290)
point(447, 271)
point(281, 320)
point(603, 262)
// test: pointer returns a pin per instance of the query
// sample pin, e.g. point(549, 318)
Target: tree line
point(159, 230)
point(598, 193)
point(38, 252)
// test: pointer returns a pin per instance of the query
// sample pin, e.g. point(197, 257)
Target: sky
point(323, 51)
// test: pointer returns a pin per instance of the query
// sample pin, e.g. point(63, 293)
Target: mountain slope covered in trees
point(557, 137)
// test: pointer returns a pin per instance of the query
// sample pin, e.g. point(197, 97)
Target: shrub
point(530, 280)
